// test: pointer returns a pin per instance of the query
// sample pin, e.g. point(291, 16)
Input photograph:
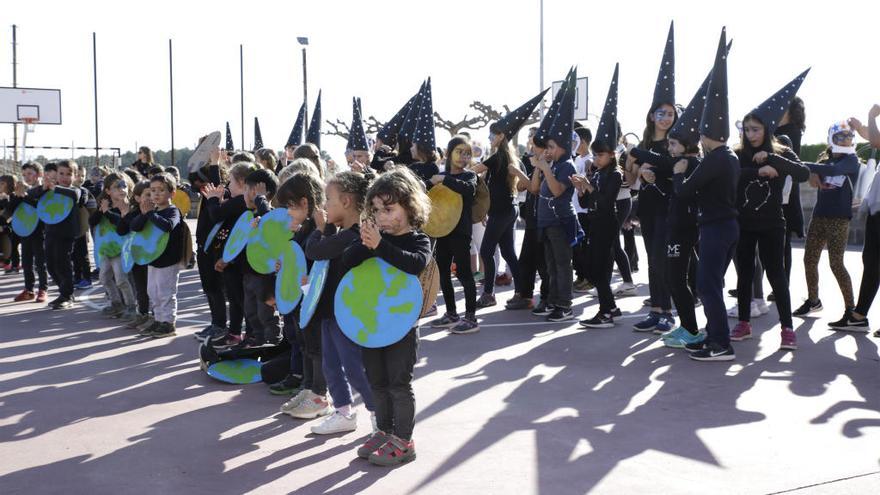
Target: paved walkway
point(521, 407)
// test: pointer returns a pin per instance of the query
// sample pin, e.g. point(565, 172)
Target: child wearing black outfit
point(33, 255)
point(60, 237)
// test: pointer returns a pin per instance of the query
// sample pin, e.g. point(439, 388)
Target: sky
point(382, 50)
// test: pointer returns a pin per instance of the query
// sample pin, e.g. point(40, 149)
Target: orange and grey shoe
point(395, 451)
point(376, 440)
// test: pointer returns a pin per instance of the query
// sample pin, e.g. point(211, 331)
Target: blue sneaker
point(83, 284)
point(679, 338)
point(648, 324)
point(665, 323)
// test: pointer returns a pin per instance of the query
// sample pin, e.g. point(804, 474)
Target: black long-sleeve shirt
point(759, 200)
point(330, 245)
point(408, 252)
point(465, 184)
point(656, 195)
point(501, 196)
point(682, 212)
point(601, 203)
point(113, 215)
point(30, 197)
point(713, 182)
point(424, 171)
point(167, 220)
point(204, 223)
point(262, 207)
point(68, 228)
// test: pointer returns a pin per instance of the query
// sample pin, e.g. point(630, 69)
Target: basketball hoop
point(29, 123)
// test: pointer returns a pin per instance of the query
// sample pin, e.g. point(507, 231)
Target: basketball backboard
point(18, 105)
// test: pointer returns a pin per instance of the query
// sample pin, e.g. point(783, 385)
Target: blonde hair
point(302, 165)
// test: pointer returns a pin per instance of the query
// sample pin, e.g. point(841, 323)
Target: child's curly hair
point(301, 185)
point(401, 186)
point(353, 184)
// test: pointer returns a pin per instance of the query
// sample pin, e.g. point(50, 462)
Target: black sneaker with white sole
point(601, 320)
point(542, 309)
point(714, 352)
point(695, 346)
point(616, 313)
point(850, 324)
point(561, 314)
point(808, 307)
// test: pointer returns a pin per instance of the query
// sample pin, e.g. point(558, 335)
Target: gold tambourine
point(182, 202)
point(446, 207)
point(481, 202)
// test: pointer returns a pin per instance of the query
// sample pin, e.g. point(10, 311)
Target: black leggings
point(681, 259)
point(82, 269)
point(456, 249)
point(770, 245)
point(309, 341)
point(33, 258)
point(233, 285)
point(499, 233)
point(139, 274)
point(531, 261)
point(602, 233)
point(212, 285)
point(620, 257)
point(871, 265)
point(59, 264)
point(653, 227)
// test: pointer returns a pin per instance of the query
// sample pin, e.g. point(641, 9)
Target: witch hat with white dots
point(229, 145)
point(388, 132)
point(664, 88)
point(424, 130)
point(606, 131)
point(510, 124)
point(687, 127)
point(542, 133)
point(314, 134)
point(563, 124)
point(296, 134)
point(715, 121)
point(357, 138)
point(258, 136)
point(408, 126)
point(771, 111)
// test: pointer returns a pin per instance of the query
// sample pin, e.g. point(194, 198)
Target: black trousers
point(500, 233)
point(580, 254)
point(653, 232)
point(681, 259)
point(600, 248)
point(14, 256)
point(309, 340)
point(33, 258)
point(59, 254)
point(531, 262)
point(82, 269)
point(771, 247)
point(621, 258)
point(390, 373)
point(871, 265)
point(139, 274)
point(233, 285)
point(212, 285)
point(457, 249)
point(717, 248)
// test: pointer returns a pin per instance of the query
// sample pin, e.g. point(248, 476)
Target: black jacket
point(759, 200)
point(167, 220)
point(713, 182)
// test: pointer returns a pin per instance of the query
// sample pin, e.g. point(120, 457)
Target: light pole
point(541, 57)
point(304, 42)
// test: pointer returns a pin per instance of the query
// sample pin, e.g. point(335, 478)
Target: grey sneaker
point(465, 326)
point(113, 310)
point(138, 321)
point(446, 321)
point(486, 300)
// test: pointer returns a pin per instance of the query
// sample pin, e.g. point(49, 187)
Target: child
point(454, 247)
point(7, 189)
point(60, 237)
point(163, 272)
point(115, 203)
point(228, 212)
point(531, 255)
point(82, 270)
point(141, 202)
point(336, 228)
point(400, 208)
point(834, 175)
point(302, 193)
point(33, 255)
point(262, 320)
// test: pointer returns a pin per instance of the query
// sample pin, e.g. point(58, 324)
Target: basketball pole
point(241, 87)
point(14, 85)
point(95, 79)
point(171, 89)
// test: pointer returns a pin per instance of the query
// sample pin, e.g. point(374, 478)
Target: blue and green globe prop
point(148, 244)
point(239, 236)
point(53, 208)
point(108, 244)
point(24, 220)
point(377, 304)
point(270, 242)
point(236, 371)
point(289, 280)
point(127, 258)
point(211, 235)
point(312, 291)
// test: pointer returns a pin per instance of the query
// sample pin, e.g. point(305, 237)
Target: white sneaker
point(625, 289)
point(754, 312)
point(310, 407)
point(761, 305)
point(336, 423)
point(293, 403)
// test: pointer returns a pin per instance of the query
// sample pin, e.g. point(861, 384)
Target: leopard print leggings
point(832, 232)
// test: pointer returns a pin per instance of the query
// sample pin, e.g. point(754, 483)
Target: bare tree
point(466, 122)
point(491, 114)
point(342, 129)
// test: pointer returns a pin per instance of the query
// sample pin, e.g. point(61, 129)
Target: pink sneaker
point(742, 331)
point(789, 339)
